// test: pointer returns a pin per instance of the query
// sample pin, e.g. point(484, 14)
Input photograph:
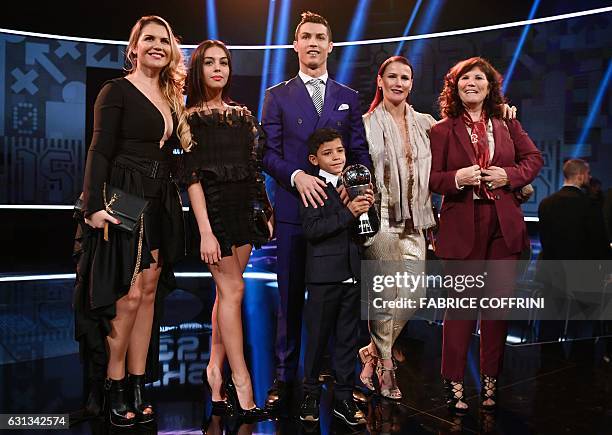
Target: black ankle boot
point(117, 404)
point(138, 402)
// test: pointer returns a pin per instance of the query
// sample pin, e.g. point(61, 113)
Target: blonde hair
point(171, 78)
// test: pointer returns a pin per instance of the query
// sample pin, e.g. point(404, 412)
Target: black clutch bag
point(126, 207)
point(259, 221)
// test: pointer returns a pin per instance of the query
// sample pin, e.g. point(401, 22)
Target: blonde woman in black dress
point(138, 119)
point(230, 208)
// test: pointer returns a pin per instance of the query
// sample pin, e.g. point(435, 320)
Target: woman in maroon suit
point(478, 162)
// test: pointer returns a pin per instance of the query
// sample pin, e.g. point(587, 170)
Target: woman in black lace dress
point(122, 277)
point(231, 208)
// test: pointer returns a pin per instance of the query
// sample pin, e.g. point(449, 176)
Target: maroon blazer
point(451, 150)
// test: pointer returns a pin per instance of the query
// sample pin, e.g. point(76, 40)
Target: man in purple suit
point(292, 111)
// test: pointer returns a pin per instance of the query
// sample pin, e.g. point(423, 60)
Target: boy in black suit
point(332, 270)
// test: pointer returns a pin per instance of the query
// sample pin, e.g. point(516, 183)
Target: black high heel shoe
point(137, 387)
point(117, 404)
point(488, 391)
point(219, 407)
point(454, 395)
point(253, 414)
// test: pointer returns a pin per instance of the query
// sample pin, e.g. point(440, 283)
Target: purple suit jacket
point(289, 118)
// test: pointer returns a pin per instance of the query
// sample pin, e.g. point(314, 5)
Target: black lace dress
point(226, 160)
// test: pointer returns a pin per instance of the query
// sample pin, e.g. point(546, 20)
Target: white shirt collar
point(305, 77)
point(572, 185)
point(329, 178)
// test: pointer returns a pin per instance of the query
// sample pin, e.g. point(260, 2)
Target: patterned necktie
point(317, 94)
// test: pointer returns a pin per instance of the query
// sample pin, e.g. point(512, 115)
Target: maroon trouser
point(489, 244)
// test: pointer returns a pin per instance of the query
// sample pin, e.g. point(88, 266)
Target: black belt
point(147, 167)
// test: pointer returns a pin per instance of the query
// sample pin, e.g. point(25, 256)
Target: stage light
point(262, 276)
point(413, 15)
point(266, 62)
point(444, 34)
point(346, 68)
point(593, 112)
point(427, 21)
point(71, 207)
point(282, 33)
point(519, 47)
point(211, 19)
point(472, 365)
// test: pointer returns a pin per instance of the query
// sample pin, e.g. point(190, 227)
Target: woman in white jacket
point(398, 138)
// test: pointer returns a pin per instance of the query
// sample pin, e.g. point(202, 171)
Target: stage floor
point(547, 387)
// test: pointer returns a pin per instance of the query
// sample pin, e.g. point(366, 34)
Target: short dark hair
point(574, 167)
point(311, 17)
point(319, 137)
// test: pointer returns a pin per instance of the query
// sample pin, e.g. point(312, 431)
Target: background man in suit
point(571, 225)
point(292, 111)
point(571, 228)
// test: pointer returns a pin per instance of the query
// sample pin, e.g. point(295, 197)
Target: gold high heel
point(394, 392)
point(367, 358)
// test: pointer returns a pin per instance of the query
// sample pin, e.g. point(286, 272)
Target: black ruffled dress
point(226, 160)
point(125, 153)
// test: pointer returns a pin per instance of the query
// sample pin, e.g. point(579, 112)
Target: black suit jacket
point(572, 227)
point(333, 252)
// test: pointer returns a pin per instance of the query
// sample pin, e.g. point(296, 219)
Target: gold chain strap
point(139, 253)
point(107, 205)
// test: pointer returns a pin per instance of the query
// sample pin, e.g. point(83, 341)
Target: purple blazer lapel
point(462, 136)
point(299, 95)
point(329, 103)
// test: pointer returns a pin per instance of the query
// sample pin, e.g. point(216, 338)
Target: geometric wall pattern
point(42, 106)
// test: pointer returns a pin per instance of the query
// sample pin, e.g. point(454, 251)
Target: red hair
point(378, 97)
point(450, 103)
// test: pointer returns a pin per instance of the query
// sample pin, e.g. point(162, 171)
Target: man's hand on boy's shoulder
point(311, 189)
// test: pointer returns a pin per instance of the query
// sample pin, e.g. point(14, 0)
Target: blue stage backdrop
point(47, 83)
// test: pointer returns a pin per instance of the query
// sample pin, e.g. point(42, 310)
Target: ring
point(490, 185)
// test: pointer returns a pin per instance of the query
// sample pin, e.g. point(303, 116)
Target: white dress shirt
point(329, 178)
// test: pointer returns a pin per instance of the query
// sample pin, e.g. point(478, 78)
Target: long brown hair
point(450, 103)
point(196, 88)
point(171, 77)
point(378, 97)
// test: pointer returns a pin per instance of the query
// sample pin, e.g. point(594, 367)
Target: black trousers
point(331, 310)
